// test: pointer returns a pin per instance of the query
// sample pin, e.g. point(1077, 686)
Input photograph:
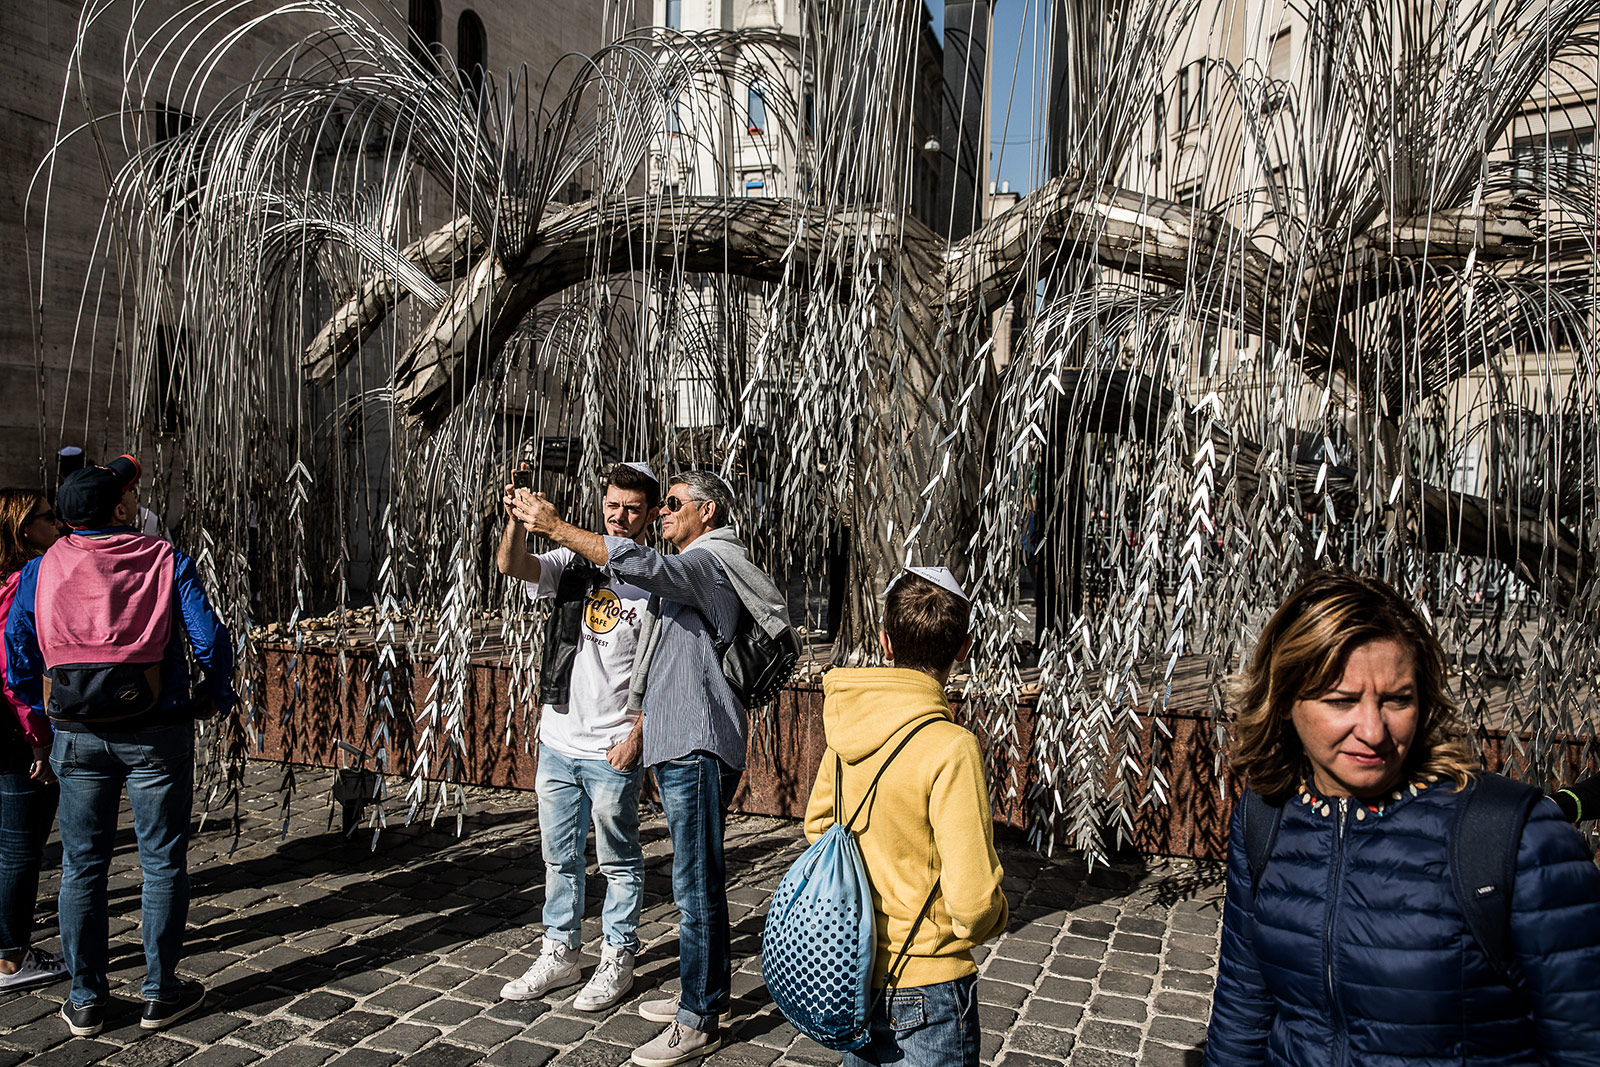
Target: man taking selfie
point(696, 726)
point(589, 743)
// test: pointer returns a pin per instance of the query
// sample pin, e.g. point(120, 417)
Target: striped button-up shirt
point(688, 706)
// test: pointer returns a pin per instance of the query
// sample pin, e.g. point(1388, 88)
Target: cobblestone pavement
point(318, 951)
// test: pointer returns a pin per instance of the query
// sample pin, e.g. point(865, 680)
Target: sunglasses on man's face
point(673, 503)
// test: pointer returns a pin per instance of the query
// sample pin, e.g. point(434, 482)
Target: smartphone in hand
point(522, 479)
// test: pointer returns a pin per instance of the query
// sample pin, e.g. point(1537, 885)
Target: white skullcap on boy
point(644, 469)
point(939, 576)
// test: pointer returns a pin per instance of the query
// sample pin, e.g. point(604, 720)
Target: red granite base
point(786, 746)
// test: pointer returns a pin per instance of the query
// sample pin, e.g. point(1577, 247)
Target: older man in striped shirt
point(694, 735)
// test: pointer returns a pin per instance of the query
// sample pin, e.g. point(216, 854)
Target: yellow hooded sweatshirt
point(929, 820)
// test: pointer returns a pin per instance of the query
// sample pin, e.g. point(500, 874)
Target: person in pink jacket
point(28, 791)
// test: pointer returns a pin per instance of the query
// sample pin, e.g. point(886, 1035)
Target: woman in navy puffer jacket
point(1352, 948)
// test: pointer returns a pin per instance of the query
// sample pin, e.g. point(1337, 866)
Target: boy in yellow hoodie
point(929, 822)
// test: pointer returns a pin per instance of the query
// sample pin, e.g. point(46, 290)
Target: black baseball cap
point(87, 497)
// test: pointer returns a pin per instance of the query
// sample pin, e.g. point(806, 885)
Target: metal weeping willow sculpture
point(369, 285)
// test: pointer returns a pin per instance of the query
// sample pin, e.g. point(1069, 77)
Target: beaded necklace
point(1364, 809)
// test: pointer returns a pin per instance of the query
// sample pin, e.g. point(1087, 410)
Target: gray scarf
point(760, 597)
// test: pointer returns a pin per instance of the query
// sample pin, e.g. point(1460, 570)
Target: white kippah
point(939, 576)
point(644, 469)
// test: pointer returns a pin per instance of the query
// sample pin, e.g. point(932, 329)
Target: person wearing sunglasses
point(28, 792)
point(695, 728)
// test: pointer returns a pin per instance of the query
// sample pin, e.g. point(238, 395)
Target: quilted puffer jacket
point(1352, 950)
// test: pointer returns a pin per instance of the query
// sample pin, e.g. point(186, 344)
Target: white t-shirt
point(597, 716)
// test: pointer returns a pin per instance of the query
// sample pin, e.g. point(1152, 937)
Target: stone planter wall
point(786, 746)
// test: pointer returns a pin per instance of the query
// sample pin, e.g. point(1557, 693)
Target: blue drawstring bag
point(820, 939)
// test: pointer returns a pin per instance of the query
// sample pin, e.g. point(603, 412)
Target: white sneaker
point(610, 981)
point(38, 968)
point(556, 966)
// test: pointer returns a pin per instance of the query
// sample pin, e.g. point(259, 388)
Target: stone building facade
point(59, 355)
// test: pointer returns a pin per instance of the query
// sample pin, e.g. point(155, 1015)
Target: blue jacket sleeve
point(209, 640)
point(1555, 935)
point(24, 662)
point(1242, 1008)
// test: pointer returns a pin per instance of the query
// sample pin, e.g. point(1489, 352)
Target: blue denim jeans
point(695, 791)
point(27, 808)
point(924, 1026)
point(157, 769)
point(570, 793)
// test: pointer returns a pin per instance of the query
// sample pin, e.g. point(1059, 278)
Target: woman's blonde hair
point(15, 507)
point(1302, 653)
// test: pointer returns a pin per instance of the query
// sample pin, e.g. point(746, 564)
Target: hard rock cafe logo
point(604, 611)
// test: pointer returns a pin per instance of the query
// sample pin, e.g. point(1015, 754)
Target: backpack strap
point(1483, 863)
point(718, 644)
point(866, 798)
point(891, 979)
point(838, 785)
point(1261, 819)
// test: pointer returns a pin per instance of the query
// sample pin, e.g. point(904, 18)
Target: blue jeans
point(924, 1026)
point(157, 768)
point(27, 808)
point(695, 791)
point(569, 792)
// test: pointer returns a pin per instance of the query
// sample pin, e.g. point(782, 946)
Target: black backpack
point(755, 663)
point(1483, 857)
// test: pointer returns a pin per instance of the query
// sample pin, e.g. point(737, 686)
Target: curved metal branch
point(1159, 241)
point(1125, 402)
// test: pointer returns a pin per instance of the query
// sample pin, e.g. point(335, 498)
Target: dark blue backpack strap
point(1261, 820)
point(1483, 863)
point(838, 785)
point(872, 790)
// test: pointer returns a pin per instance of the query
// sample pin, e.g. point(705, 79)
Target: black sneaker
point(85, 1021)
point(160, 1014)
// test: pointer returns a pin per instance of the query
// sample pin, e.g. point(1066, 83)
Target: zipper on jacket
point(1335, 877)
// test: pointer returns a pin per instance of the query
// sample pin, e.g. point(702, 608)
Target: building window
point(472, 50)
point(423, 19)
point(754, 185)
point(1280, 55)
point(674, 19)
point(1190, 194)
point(811, 114)
point(171, 121)
point(1558, 320)
point(1564, 160)
point(1158, 140)
point(1192, 95)
point(756, 110)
